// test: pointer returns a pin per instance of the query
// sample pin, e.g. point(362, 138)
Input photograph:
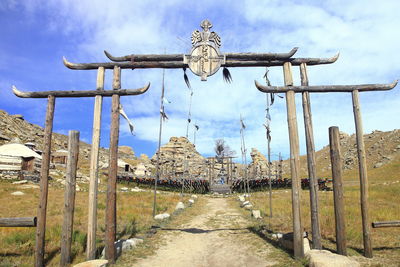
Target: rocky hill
point(382, 152)
point(15, 126)
point(179, 155)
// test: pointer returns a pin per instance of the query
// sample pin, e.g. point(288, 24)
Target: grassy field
point(384, 206)
point(134, 211)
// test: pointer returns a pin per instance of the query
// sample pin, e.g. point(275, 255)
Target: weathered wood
point(362, 166)
point(326, 88)
point(44, 94)
point(69, 197)
point(18, 222)
point(386, 224)
point(111, 207)
point(312, 173)
point(181, 64)
point(294, 163)
point(338, 199)
point(179, 57)
point(44, 184)
point(94, 169)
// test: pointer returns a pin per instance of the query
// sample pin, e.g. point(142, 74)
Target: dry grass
point(17, 249)
point(384, 206)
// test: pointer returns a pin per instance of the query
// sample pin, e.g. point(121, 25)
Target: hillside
point(15, 126)
point(382, 151)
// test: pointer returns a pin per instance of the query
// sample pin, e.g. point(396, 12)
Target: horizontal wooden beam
point(171, 64)
point(386, 224)
point(179, 57)
point(45, 94)
point(325, 88)
point(18, 222)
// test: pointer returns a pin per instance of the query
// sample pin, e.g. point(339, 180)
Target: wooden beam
point(326, 88)
point(45, 94)
point(111, 207)
point(298, 245)
point(18, 222)
point(338, 198)
point(69, 197)
point(180, 64)
point(44, 184)
point(362, 166)
point(386, 224)
point(311, 162)
point(179, 57)
point(94, 169)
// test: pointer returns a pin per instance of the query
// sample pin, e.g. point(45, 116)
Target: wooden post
point(298, 246)
point(362, 165)
point(315, 227)
point(111, 207)
point(338, 199)
point(18, 222)
point(44, 184)
point(94, 170)
point(69, 197)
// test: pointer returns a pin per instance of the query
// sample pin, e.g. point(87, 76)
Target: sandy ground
point(217, 237)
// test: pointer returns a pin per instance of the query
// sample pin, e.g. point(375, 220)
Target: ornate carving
point(205, 58)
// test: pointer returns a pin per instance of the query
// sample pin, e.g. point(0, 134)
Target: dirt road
point(216, 237)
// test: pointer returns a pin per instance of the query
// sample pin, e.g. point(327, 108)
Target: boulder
point(93, 263)
point(194, 196)
point(124, 189)
point(191, 201)
point(17, 193)
point(256, 214)
point(161, 216)
point(248, 207)
point(245, 203)
point(180, 206)
point(325, 258)
point(242, 199)
point(131, 243)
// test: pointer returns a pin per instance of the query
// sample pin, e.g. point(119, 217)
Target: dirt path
point(217, 237)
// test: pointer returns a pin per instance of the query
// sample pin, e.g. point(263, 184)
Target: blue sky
point(36, 34)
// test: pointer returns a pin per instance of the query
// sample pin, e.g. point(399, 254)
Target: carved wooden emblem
point(205, 58)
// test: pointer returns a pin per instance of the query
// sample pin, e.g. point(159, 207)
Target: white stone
point(180, 206)
point(248, 207)
point(256, 214)
point(131, 243)
point(245, 203)
point(161, 216)
point(194, 196)
point(124, 189)
point(191, 201)
point(93, 263)
point(21, 182)
point(325, 258)
point(17, 193)
point(242, 199)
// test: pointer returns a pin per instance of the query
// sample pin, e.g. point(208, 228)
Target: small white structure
point(16, 157)
point(141, 170)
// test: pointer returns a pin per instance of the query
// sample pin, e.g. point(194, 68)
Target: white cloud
point(364, 33)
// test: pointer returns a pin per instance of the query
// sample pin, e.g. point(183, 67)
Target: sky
point(36, 34)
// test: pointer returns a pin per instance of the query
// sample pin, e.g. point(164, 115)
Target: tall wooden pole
point(69, 197)
point(94, 170)
point(336, 163)
point(362, 165)
point(298, 246)
point(312, 174)
point(111, 207)
point(44, 184)
point(159, 146)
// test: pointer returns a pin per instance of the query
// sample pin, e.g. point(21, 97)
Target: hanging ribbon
point(123, 114)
